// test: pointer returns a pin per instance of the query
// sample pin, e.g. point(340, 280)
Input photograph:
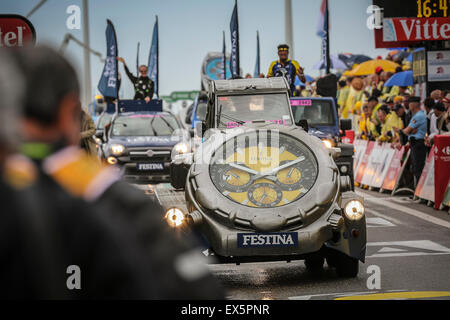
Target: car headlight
point(328, 143)
point(174, 217)
point(181, 148)
point(354, 210)
point(117, 149)
point(111, 160)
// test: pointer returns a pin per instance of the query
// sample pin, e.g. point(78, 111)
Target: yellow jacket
point(366, 127)
point(353, 97)
point(392, 121)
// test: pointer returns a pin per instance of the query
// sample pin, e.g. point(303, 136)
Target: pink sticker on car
point(305, 102)
point(233, 124)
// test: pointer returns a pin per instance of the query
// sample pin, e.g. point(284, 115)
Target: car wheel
point(314, 264)
point(347, 267)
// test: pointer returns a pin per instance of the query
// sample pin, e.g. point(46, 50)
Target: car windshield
point(145, 125)
point(234, 111)
point(317, 112)
point(103, 120)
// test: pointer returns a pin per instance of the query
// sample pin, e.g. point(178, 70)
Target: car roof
point(250, 85)
point(311, 98)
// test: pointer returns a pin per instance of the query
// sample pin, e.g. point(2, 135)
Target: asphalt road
point(408, 257)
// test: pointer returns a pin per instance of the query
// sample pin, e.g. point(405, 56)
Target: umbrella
point(336, 63)
point(299, 83)
point(401, 79)
point(350, 59)
point(309, 78)
point(369, 67)
point(401, 55)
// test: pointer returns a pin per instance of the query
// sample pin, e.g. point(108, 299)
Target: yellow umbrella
point(369, 67)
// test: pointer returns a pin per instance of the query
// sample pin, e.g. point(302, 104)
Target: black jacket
point(143, 86)
point(44, 231)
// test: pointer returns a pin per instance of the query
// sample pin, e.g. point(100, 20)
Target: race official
point(144, 87)
point(285, 67)
point(416, 131)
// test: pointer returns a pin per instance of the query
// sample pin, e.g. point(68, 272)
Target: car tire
point(314, 264)
point(346, 267)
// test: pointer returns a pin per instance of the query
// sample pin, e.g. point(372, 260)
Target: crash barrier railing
point(386, 169)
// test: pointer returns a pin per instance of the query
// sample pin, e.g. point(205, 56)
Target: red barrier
point(441, 167)
point(394, 170)
point(364, 162)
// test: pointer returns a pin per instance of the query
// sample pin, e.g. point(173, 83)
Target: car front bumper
point(332, 230)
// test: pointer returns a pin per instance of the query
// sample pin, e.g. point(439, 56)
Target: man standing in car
point(144, 87)
point(285, 67)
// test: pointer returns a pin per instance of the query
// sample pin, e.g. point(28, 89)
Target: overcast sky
point(191, 28)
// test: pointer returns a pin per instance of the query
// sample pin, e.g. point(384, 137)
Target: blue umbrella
point(299, 83)
point(409, 58)
point(401, 79)
point(309, 78)
point(336, 63)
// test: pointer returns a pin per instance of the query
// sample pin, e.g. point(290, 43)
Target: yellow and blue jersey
point(291, 67)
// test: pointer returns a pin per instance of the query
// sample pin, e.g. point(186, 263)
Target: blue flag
point(258, 63)
point(224, 59)
point(234, 29)
point(108, 82)
point(137, 57)
point(153, 64)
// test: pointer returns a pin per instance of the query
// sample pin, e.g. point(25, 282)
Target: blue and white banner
point(258, 61)
point(224, 59)
point(234, 29)
point(108, 82)
point(137, 57)
point(153, 58)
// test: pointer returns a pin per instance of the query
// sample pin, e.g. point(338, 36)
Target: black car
point(142, 142)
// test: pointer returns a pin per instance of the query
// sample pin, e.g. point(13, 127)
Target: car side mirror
point(201, 111)
point(99, 133)
point(345, 124)
point(200, 129)
point(304, 124)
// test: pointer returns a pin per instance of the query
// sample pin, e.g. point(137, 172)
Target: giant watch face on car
point(263, 169)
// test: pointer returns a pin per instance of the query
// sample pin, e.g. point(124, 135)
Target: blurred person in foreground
point(44, 232)
point(182, 272)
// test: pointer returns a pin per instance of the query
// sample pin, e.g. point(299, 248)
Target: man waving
point(285, 67)
point(143, 85)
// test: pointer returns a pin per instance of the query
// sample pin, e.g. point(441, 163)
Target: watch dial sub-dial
point(231, 179)
point(290, 177)
point(265, 195)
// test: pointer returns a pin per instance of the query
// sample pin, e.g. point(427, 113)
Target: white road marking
point(412, 212)
point(412, 248)
point(378, 222)
point(389, 249)
point(385, 217)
